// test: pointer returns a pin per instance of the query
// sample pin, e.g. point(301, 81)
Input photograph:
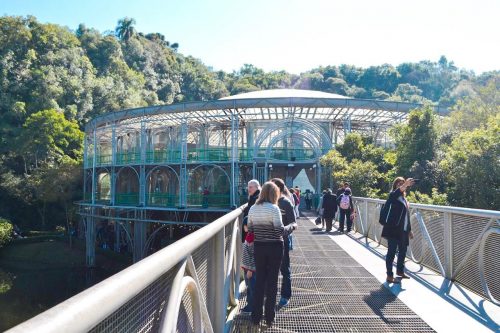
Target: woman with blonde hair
point(264, 221)
point(397, 227)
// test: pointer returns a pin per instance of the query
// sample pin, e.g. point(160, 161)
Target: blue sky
point(297, 35)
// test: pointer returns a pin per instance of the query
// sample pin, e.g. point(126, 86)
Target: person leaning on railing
point(397, 230)
point(253, 189)
point(264, 221)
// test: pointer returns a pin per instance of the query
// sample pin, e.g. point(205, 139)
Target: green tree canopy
point(47, 137)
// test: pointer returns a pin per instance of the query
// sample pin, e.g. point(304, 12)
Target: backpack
point(345, 202)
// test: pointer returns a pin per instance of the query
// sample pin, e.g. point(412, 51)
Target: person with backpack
point(346, 210)
point(340, 191)
point(395, 217)
point(329, 208)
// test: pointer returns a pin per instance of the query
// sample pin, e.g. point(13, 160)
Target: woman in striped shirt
point(264, 221)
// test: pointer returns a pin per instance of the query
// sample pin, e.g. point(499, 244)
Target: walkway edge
point(434, 310)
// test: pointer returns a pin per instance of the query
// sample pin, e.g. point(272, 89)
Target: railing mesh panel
point(200, 260)
point(143, 312)
point(466, 234)
point(185, 320)
point(492, 265)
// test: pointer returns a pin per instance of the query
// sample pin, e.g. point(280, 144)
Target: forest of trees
point(54, 79)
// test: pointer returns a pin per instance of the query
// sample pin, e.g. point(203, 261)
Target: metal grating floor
point(331, 292)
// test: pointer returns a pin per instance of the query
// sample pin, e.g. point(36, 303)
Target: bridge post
point(448, 246)
point(365, 221)
point(216, 305)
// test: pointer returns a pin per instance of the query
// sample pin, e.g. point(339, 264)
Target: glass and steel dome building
point(185, 164)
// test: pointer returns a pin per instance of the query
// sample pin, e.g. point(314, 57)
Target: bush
point(5, 231)
point(440, 199)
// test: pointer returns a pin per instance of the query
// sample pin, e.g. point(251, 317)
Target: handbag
point(318, 220)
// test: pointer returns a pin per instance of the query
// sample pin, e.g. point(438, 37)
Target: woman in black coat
point(329, 208)
point(397, 229)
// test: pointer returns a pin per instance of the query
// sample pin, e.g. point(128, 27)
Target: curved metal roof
point(265, 105)
point(284, 93)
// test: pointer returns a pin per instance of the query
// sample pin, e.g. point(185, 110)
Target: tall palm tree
point(125, 28)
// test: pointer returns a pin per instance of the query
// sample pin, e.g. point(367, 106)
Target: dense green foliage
point(456, 159)
point(53, 80)
point(5, 231)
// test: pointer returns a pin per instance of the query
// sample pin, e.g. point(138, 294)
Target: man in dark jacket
point(253, 194)
point(329, 208)
point(288, 217)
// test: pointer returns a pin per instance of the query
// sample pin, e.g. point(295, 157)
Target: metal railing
point(461, 244)
point(185, 287)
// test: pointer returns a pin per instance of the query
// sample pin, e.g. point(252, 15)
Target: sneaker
point(246, 309)
point(283, 302)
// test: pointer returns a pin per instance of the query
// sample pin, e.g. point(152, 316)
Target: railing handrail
point(84, 310)
point(445, 209)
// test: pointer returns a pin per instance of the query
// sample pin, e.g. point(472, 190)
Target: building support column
point(234, 155)
point(139, 236)
point(183, 166)
point(90, 238)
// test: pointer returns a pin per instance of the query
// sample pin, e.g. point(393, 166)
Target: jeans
point(286, 283)
point(250, 283)
point(345, 215)
point(268, 257)
point(393, 246)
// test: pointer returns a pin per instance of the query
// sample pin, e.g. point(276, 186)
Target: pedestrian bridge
point(338, 281)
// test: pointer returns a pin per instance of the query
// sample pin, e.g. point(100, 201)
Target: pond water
point(25, 293)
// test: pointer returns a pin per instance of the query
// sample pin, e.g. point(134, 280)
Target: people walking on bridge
point(397, 227)
point(264, 220)
point(329, 208)
point(288, 218)
point(248, 266)
point(309, 199)
point(320, 209)
point(346, 210)
point(253, 188)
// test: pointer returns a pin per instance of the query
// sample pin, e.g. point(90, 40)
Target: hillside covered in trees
point(54, 79)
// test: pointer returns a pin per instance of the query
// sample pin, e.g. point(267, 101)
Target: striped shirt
point(247, 258)
point(264, 220)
